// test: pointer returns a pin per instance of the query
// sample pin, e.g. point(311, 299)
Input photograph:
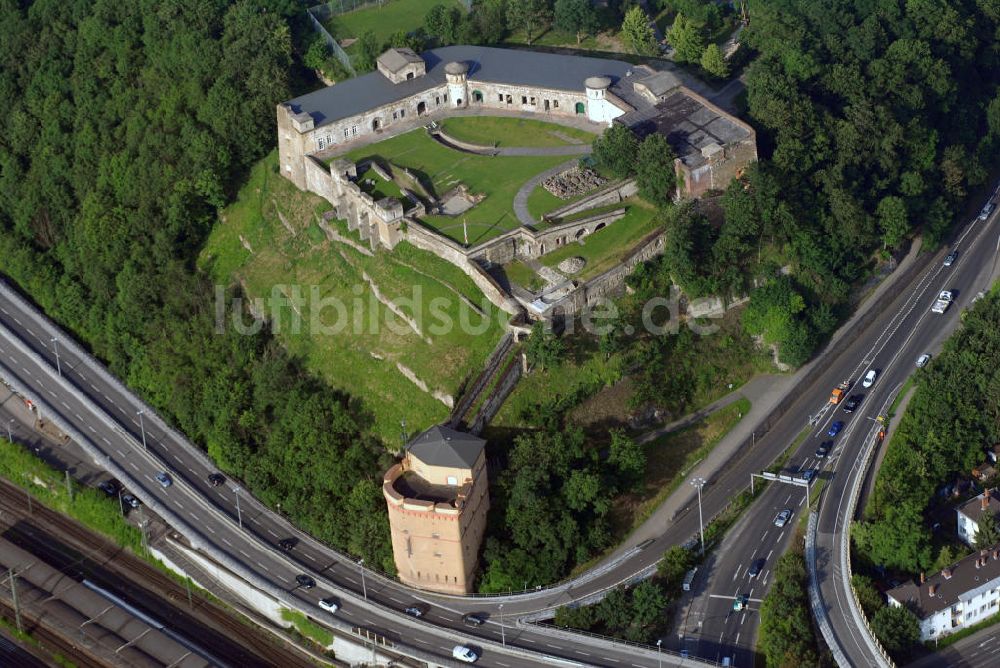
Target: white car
point(464, 654)
point(923, 360)
point(869, 378)
point(329, 604)
point(987, 210)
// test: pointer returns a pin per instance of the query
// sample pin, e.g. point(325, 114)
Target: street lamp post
point(699, 483)
point(659, 653)
point(121, 504)
point(239, 513)
point(142, 428)
point(10, 435)
point(55, 345)
point(364, 588)
point(503, 636)
point(402, 424)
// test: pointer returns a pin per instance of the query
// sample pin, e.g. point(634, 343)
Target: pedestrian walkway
point(521, 198)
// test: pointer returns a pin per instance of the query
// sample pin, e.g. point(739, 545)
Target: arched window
point(580, 109)
point(477, 96)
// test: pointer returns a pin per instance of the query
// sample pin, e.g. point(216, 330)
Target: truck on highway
point(942, 303)
point(840, 392)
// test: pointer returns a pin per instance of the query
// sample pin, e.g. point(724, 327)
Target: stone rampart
point(610, 194)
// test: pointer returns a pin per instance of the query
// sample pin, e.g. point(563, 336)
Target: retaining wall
point(610, 194)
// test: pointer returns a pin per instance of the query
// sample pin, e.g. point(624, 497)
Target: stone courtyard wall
point(610, 194)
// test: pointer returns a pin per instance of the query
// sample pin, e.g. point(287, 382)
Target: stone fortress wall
point(718, 147)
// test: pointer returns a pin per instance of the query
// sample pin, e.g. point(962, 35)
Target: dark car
point(473, 619)
point(110, 487)
point(852, 403)
point(216, 479)
point(835, 429)
point(755, 568)
point(824, 449)
point(305, 581)
point(131, 501)
point(288, 543)
point(416, 611)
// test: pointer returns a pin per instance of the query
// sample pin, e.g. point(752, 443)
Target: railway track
point(81, 553)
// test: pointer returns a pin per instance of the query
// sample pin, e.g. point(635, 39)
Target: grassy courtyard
point(269, 241)
point(499, 178)
point(383, 19)
point(503, 131)
point(607, 247)
point(602, 250)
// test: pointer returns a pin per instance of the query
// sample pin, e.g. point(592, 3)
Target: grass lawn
point(669, 459)
point(443, 168)
point(606, 247)
point(383, 20)
point(361, 356)
point(523, 275)
point(503, 131)
point(307, 627)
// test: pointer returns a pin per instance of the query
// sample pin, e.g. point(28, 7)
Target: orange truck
point(840, 392)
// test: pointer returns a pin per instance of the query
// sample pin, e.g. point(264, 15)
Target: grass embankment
point(608, 246)
point(503, 131)
point(89, 506)
point(383, 19)
point(602, 250)
point(307, 627)
point(253, 246)
point(498, 177)
point(670, 458)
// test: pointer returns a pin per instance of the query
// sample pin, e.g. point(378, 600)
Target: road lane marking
point(264, 567)
point(210, 529)
point(272, 533)
point(244, 554)
point(309, 556)
point(227, 542)
point(194, 517)
point(134, 467)
point(179, 504)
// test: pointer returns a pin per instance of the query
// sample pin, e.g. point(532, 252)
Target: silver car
point(923, 360)
point(950, 259)
point(782, 518)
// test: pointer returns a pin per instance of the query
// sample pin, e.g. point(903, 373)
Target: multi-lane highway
point(905, 330)
point(42, 363)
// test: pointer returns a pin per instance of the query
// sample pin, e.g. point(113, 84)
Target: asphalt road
point(711, 628)
point(214, 514)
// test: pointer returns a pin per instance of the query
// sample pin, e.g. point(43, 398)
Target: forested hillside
point(874, 120)
point(124, 126)
point(953, 416)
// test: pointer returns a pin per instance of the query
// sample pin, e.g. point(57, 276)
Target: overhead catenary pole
point(364, 587)
point(13, 595)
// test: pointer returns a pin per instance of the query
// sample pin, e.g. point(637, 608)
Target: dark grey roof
point(396, 59)
point(486, 64)
point(973, 508)
point(443, 446)
point(687, 123)
point(966, 581)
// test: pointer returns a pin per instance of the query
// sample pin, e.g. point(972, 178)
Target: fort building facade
point(438, 498)
point(711, 146)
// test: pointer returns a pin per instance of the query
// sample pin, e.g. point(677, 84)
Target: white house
point(957, 597)
point(969, 513)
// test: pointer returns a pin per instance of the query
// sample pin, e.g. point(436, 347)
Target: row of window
point(437, 577)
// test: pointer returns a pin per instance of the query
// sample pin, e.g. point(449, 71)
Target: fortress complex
point(712, 147)
point(438, 498)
